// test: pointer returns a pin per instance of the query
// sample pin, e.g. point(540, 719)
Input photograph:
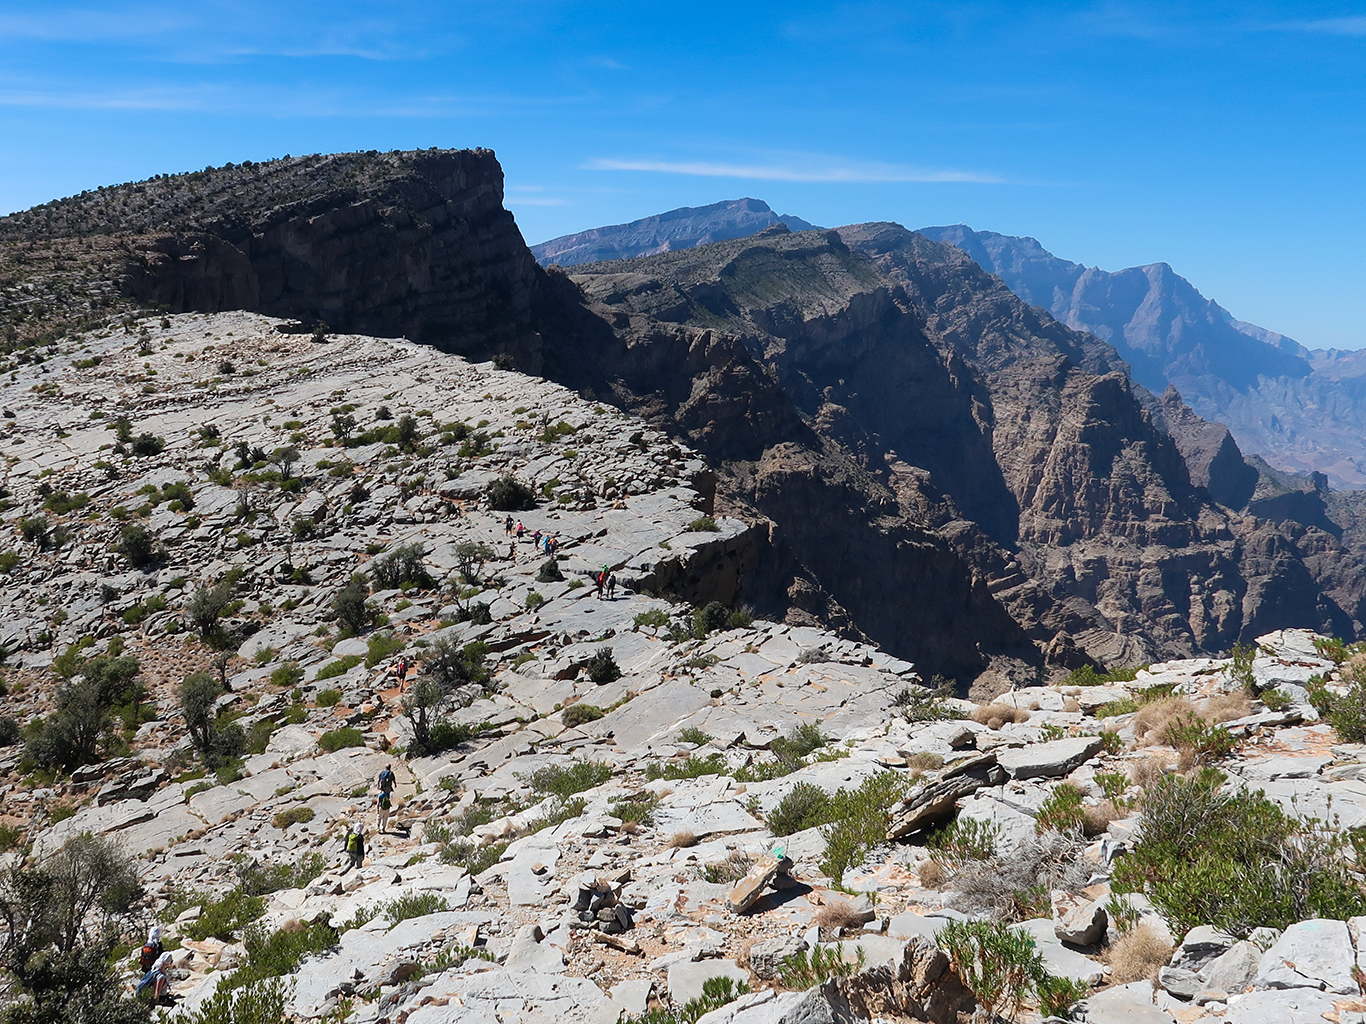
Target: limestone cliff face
point(415, 244)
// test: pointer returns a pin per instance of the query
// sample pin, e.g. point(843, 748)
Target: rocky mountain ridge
point(924, 461)
point(684, 228)
point(647, 792)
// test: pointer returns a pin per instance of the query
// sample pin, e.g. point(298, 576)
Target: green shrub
point(225, 915)
point(689, 768)
point(137, 545)
point(858, 821)
point(534, 600)
point(964, 839)
point(1275, 700)
point(1062, 811)
point(803, 970)
point(328, 698)
point(293, 816)
point(564, 781)
point(692, 734)
point(602, 666)
point(403, 566)
point(1235, 860)
point(338, 668)
point(9, 561)
point(1345, 713)
point(655, 617)
point(550, 572)
point(339, 738)
point(704, 524)
point(716, 993)
point(509, 495)
point(258, 1002)
point(288, 675)
point(802, 740)
point(638, 808)
point(709, 619)
point(805, 806)
point(580, 714)
point(1200, 742)
point(278, 954)
point(1088, 676)
point(999, 964)
point(382, 648)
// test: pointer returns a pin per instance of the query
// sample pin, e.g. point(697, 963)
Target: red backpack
point(148, 957)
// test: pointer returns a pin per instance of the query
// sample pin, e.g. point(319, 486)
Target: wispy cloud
point(1328, 26)
point(813, 172)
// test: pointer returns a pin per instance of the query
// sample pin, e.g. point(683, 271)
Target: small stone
point(1083, 925)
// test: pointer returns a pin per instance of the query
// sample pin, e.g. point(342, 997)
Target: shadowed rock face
point(937, 407)
point(415, 244)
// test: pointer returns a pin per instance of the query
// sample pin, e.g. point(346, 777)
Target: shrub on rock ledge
point(509, 495)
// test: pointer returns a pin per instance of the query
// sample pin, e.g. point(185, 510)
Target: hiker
point(401, 671)
point(600, 581)
point(151, 950)
point(355, 847)
point(512, 552)
point(387, 779)
point(536, 540)
point(383, 803)
point(507, 526)
point(612, 587)
point(520, 529)
point(158, 979)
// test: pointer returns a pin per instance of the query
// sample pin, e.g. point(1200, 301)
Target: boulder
point(1084, 925)
point(1233, 970)
point(1287, 1006)
point(748, 890)
point(766, 958)
point(1050, 760)
point(1315, 954)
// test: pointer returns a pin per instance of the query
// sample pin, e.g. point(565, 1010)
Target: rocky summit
point(352, 677)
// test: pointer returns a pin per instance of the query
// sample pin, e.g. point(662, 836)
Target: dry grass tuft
point(993, 716)
point(933, 875)
point(924, 762)
point(1145, 772)
point(684, 839)
point(1096, 820)
point(1152, 722)
point(1226, 707)
point(1137, 955)
point(1070, 704)
point(839, 914)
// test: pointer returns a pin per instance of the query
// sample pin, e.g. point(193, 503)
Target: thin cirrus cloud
point(1329, 26)
point(848, 173)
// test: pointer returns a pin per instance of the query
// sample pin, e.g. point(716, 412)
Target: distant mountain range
point(684, 228)
point(1302, 410)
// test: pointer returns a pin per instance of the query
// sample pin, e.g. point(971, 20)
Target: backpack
point(353, 843)
point(386, 781)
point(148, 957)
point(384, 799)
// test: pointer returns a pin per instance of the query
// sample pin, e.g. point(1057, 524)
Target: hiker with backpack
point(387, 779)
point(151, 950)
point(612, 587)
point(158, 979)
point(355, 847)
point(383, 804)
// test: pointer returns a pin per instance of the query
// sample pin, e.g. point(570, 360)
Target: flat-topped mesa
point(410, 243)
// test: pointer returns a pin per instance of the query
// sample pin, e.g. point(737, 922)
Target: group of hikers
point(156, 962)
point(546, 543)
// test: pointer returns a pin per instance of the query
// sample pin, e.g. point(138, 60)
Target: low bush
point(580, 714)
point(510, 495)
point(858, 821)
point(602, 666)
point(803, 970)
point(288, 675)
point(339, 667)
point(1016, 887)
point(689, 768)
point(550, 572)
point(1346, 713)
point(805, 806)
point(994, 716)
point(704, 524)
point(1138, 954)
point(328, 698)
point(339, 738)
point(716, 993)
point(799, 742)
point(564, 781)
point(1001, 966)
point(1235, 860)
point(293, 816)
point(963, 840)
point(222, 917)
point(655, 618)
point(692, 734)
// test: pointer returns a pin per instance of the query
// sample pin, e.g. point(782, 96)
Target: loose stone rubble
point(599, 912)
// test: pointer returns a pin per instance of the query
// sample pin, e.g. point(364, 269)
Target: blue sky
point(1226, 139)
